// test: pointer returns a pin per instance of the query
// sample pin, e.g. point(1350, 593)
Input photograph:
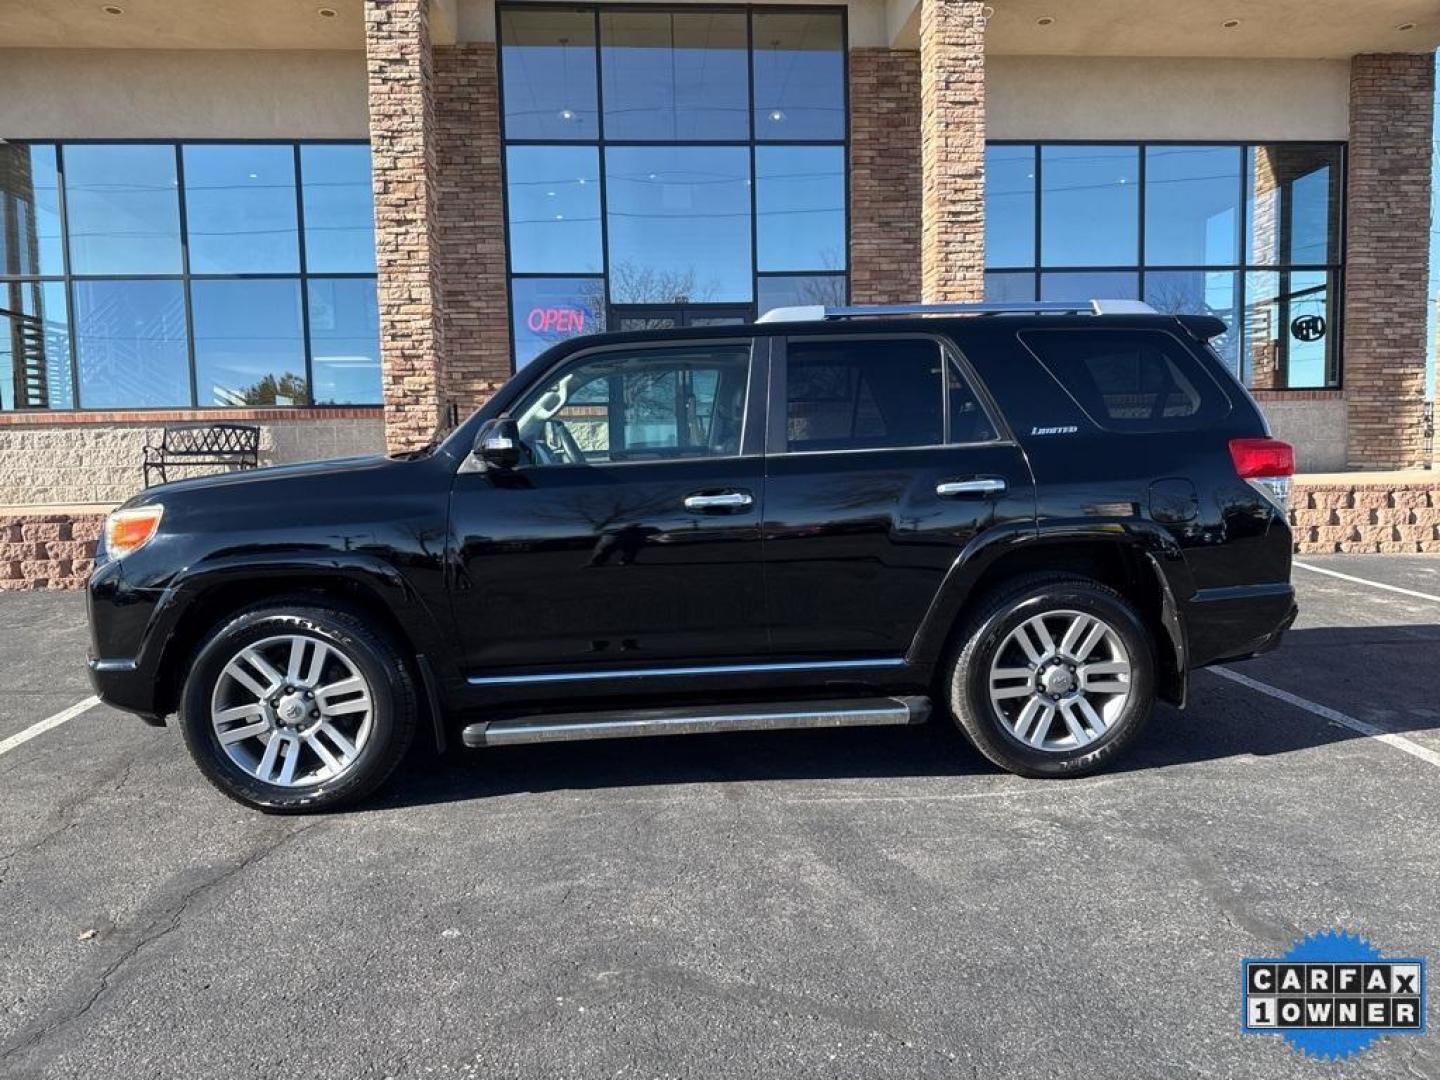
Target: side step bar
point(566, 727)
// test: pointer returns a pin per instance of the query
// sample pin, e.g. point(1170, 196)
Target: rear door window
point(1130, 380)
point(876, 393)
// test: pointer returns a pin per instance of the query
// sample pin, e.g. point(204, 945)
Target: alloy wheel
point(1060, 680)
point(292, 710)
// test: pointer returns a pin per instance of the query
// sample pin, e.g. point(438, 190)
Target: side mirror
point(497, 443)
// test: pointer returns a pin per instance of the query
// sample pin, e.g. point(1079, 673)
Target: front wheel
point(1053, 677)
point(293, 707)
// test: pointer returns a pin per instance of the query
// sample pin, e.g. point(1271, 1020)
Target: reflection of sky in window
point(549, 74)
point(1010, 206)
point(1198, 292)
point(554, 197)
point(249, 347)
point(344, 341)
point(1310, 217)
point(674, 75)
point(799, 76)
point(339, 209)
point(683, 213)
point(130, 344)
point(1081, 285)
point(1089, 205)
point(240, 212)
point(1009, 287)
point(800, 207)
point(799, 290)
point(1191, 205)
point(123, 208)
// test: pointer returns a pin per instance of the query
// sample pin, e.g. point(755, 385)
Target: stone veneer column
point(403, 161)
point(884, 176)
point(471, 214)
point(1387, 257)
point(952, 147)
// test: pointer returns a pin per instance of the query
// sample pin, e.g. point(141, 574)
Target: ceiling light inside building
point(567, 114)
point(1404, 26)
point(1045, 20)
point(112, 9)
point(776, 116)
point(1230, 24)
point(325, 12)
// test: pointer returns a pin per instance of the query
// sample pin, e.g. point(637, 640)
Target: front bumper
point(122, 685)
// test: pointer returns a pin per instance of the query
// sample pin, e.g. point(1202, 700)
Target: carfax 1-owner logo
point(1333, 995)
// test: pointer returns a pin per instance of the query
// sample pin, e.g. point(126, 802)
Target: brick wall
point(1387, 257)
point(52, 549)
point(884, 176)
point(1359, 517)
point(471, 214)
point(403, 163)
point(952, 149)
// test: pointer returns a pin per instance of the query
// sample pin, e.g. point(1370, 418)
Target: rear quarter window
point(1130, 380)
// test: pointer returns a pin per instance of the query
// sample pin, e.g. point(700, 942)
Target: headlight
point(130, 530)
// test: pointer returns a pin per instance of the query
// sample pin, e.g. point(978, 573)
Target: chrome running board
point(566, 727)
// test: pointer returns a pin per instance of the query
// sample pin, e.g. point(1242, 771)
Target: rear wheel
point(297, 707)
point(1052, 677)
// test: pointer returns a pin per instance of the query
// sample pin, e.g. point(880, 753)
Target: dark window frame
point(69, 278)
point(1334, 269)
point(602, 143)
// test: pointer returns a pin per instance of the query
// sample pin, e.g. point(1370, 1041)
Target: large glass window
point(123, 206)
point(674, 75)
point(1249, 234)
point(339, 208)
point(30, 241)
point(682, 212)
point(554, 209)
point(249, 342)
point(799, 75)
point(671, 166)
point(548, 67)
point(186, 274)
point(240, 211)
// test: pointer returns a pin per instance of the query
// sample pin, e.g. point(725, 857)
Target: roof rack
point(817, 312)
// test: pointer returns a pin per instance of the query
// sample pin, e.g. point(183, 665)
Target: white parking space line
point(1366, 581)
point(1399, 742)
point(42, 726)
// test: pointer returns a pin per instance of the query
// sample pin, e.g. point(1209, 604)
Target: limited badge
point(1332, 995)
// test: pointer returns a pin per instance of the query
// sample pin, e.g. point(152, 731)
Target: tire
point(349, 688)
point(992, 714)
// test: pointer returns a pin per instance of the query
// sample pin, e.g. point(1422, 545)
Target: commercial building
point(340, 219)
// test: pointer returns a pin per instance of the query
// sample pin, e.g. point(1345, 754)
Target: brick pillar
point(403, 161)
point(1387, 257)
point(952, 149)
point(884, 176)
point(471, 214)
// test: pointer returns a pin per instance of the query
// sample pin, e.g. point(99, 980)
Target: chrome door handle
point(729, 500)
point(985, 485)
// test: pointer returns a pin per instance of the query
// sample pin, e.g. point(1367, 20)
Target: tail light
point(1267, 465)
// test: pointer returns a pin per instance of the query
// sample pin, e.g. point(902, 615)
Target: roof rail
point(817, 312)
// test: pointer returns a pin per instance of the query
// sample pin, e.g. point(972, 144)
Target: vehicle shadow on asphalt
point(1224, 720)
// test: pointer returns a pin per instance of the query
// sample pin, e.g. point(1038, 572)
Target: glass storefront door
point(668, 316)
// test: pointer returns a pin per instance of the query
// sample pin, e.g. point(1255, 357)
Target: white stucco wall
point(147, 94)
point(1067, 97)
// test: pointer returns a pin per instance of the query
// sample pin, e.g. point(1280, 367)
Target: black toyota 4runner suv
point(1037, 522)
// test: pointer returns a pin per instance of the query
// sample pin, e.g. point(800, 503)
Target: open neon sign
point(556, 320)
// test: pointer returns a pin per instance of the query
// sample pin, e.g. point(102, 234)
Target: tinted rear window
point(1130, 380)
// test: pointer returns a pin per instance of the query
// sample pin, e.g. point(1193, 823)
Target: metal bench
point(236, 446)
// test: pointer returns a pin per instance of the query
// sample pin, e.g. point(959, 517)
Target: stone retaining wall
point(48, 549)
point(1360, 517)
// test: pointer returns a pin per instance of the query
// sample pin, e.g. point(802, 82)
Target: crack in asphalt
point(157, 929)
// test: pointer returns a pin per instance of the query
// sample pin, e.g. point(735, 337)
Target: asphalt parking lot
point(848, 903)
